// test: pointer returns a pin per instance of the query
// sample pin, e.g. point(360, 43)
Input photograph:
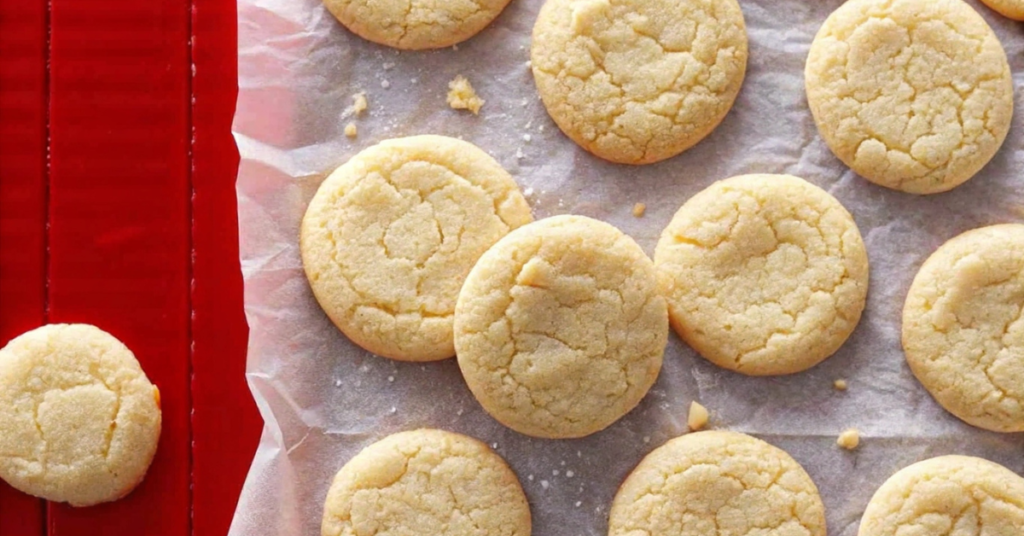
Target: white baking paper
point(323, 398)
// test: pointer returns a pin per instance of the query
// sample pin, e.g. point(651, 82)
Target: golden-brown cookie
point(79, 419)
point(717, 483)
point(764, 274)
point(426, 482)
point(947, 496)
point(390, 235)
point(560, 329)
point(914, 95)
point(638, 81)
point(415, 24)
point(963, 327)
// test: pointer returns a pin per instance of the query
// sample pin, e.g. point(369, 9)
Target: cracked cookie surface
point(638, 81)
point(963, 327)
point(947, 496)
point(415, 24)
point(914, 95)
point(389, 238)
point(559, 329)
point(426, 482)
point(764, 274)
point(79, 420)
point(1012, 9)
point(717, 484)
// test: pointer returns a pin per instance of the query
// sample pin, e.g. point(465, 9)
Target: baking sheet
point(323, 398)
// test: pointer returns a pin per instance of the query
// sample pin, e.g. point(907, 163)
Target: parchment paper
point(323, 398)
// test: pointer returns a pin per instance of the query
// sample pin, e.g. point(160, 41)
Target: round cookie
point(963, 327)
point(638, 81)
point(426, 482)
point(79, 420)
point(1012, 9)
point(390, 235)
point(764, 274)
point(712, 483)
point(415, 24)
point(948, 495)
point(559, 329)
point(913, 95)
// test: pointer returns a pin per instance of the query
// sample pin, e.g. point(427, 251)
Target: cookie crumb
point(849, 439)
point(638, 209)
point(391, 378)
point(647, 439)
point(455, 47)
point(530, 478)
point(527, 138)
point(461, 95)
point(544, 484)
point(359, 104)
point(839, 384)
point(569, 474)
point(385, 84)
point(554, 473)
point(579, 503)
point(351, 131)
point(698, 416)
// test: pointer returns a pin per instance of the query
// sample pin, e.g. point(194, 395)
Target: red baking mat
point(117, 207)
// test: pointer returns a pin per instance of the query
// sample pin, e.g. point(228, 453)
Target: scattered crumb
point(563, 463)
point(461, 95)
point(544, 484)
point(698, 416)
point(530, 478)
point(528, 191)
point(579, 503)
point(525, 102)
point(394, 409)
point(337, 383)
point(570, 474)
point(494, 446)
point(385, 84)
point(839, 384)
point(351, 131)
point(527, 138)
point(579, 453)
point(414, 81)
point(638, 209)
point(391, 378)
point(455, 47)
point(459, 412)
point(388, 65)
point(520, 155)
point(647, 439)
point(849, 439)
point(540, 128)
point(359, 105)
point(529, 64)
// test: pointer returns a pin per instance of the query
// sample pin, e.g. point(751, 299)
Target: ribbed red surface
point(141, 237)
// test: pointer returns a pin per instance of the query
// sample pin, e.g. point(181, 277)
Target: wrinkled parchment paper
point(323, 398)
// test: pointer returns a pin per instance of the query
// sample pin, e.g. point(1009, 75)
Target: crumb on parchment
point(359, 104)
point(461, 95)
point(351, 131)
point(839, 384)
point(638, 209)
point(698, 416)
point(849, 439)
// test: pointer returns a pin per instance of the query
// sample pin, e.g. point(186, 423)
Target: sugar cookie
point(638, 81)
point(559, 329)
point(914, 95)
point(765, 274)
point(79, 420)
point(963, 328)
point(426, 482)
point(390, 236)
point(1013, 9)
point(948, 495)
point(415, 24)
point(717, 483)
